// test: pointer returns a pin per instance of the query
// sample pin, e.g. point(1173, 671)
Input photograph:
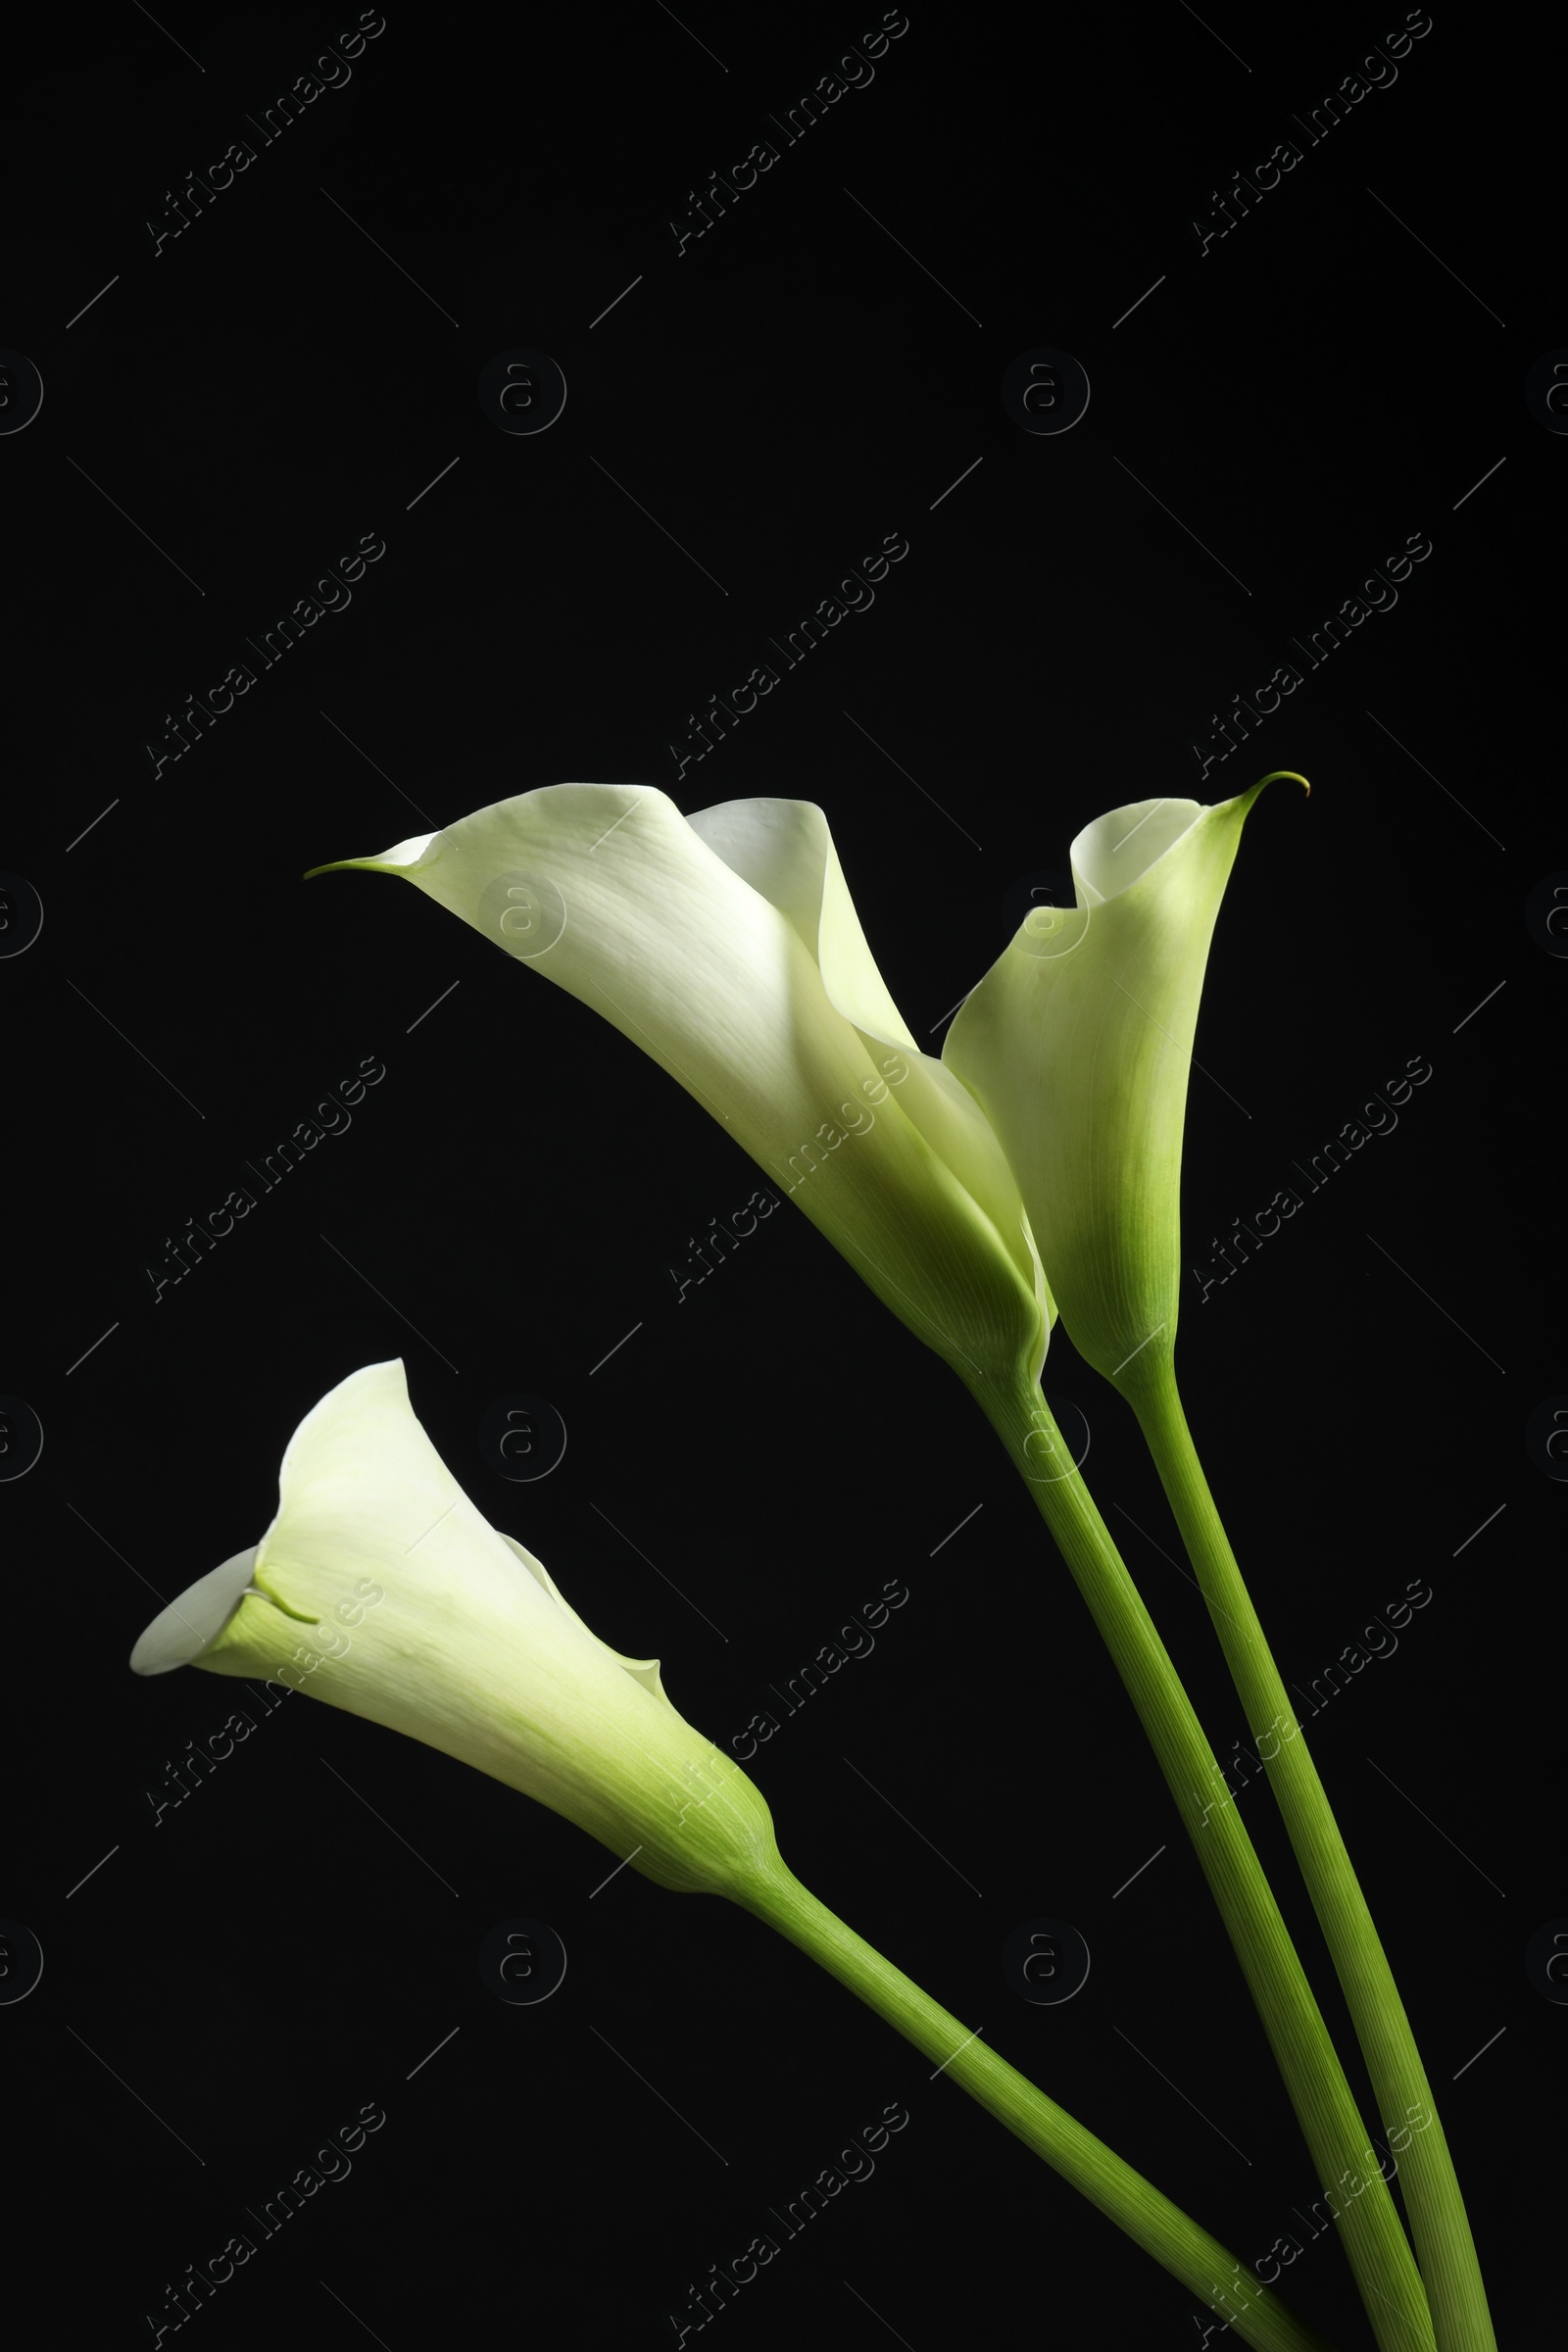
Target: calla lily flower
point(726, 945)
point(380, 1588)
point(1077, 1044)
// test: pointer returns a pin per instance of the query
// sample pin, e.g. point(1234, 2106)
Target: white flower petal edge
point(1077, 1045)
point(380, 1588)
point(727, 946)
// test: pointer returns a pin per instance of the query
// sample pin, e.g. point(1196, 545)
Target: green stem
point(1375, 2244)
point(1443, 2244)
point(1257, 2314)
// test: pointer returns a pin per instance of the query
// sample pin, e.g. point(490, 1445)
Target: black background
point(229, 1987)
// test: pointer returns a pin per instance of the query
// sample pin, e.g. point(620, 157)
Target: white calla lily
point(1077, 1044)
point(726, 945)
point(380, 1588)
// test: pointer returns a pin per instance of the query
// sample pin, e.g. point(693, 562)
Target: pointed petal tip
point(398, 860)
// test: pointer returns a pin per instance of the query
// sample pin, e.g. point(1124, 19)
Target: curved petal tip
point(397, 859)
point(193, 1622)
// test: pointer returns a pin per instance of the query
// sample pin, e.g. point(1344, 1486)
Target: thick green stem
point(1443, 2244)
point(1378, 2250)
point(1161, 2229)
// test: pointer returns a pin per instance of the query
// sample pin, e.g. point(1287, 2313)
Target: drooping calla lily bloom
point(380, 1588)
point(1077, 1043)
point(726, 945)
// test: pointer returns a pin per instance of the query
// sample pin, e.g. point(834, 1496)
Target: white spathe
point(380, 1588)
point(1077, 1044)
point(727, 946)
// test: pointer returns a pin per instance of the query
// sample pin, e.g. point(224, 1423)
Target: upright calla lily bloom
point(726, 945)
point(1077, 1044)
point(379, 1588)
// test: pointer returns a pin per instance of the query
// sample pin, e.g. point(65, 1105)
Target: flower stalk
point(1445, 2247)
point(1378, 2250)
point(1185, 2249)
